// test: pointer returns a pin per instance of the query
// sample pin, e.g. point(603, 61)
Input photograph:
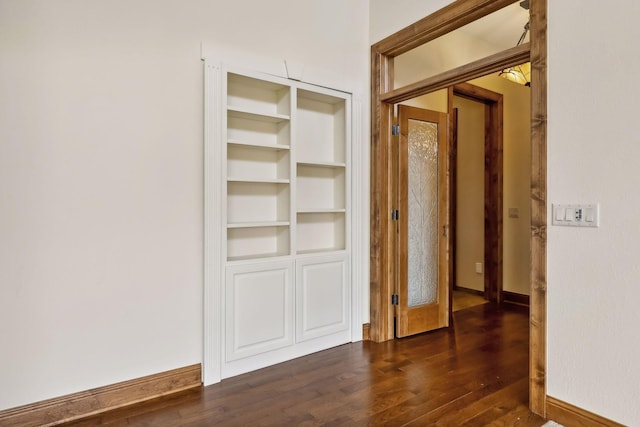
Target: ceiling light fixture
point(520, 74)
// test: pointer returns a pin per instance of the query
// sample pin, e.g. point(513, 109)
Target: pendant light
point(520, 74)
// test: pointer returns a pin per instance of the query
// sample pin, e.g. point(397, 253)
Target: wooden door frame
point(384, 96)
point(493, 188)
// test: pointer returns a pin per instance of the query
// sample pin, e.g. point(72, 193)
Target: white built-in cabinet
point(285, 218)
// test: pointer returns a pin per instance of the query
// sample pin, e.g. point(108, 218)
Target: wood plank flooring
point(473, 374)
point(464, 299)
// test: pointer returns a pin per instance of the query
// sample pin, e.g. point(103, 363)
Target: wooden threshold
point(95, 401)
point(569, 415)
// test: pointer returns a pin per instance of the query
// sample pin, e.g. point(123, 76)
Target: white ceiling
point(502, 28)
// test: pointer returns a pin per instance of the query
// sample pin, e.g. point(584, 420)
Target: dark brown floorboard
point(473, 374)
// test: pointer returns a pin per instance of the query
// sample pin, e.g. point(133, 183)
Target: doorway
point(482, 169)
point(384, 96)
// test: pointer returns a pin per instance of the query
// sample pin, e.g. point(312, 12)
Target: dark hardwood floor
point(474, 374)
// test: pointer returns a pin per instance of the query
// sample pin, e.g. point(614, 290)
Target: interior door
point(422, 282)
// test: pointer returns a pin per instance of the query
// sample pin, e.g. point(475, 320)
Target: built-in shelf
point(250, 201)
point(282, 171)
point(320, 187)
point(318, 251)
point(323, 164)
point(258, 224)
point(258, 145)
point(257, 242)
point(321, 127)
point(244, 113)
point(254, 256)
point(321, 210)
point(320, 231)
point(259, 180)
point(272, 174)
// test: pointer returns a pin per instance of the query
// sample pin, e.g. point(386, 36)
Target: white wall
point(593, 274)
point(101, 174)
point(593, 150)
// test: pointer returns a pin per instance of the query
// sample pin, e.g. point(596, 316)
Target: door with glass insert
point(422, 245)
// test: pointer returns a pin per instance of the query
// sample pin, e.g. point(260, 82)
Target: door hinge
point(395, 130)
point(394, 299)
point(395, 214)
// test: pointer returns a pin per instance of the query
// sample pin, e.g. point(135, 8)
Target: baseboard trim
point(469, 291)
point(75, 406)
point(366, 335)
point(569, 415)
point(515, 298)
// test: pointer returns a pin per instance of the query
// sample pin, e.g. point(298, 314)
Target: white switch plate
point(479, 267)
point(576, 215)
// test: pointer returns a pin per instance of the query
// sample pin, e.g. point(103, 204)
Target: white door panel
point(259, 308)
point(322, 296)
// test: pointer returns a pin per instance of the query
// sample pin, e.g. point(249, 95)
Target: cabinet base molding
point(515, 298)
point(366, 327)
point(569, 415)
point(91, 402)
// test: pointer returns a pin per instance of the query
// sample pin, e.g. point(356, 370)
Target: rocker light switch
point(559, 213)
point(576, 215)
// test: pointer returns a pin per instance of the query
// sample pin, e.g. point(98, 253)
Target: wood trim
point(482, 67)
point(453, 190)
point(381, 237)
point(366, 336)
point(91, 402)
point(470, 291)
point(493, 200)
point(538, 274)
point(443, 21)
point(455, 15)
point(515, 298)
point(567, 414)
point(493, 188)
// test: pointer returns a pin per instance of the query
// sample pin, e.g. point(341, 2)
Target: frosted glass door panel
point(423, 212)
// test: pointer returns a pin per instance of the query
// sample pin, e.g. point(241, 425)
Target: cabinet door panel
point(259, 309)
point(322, 297)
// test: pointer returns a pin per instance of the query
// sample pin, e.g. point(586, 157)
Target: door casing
point(493, 189)
point(384, 96)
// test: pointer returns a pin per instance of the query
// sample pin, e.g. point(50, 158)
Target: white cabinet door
point(322, 296)
point(259, 308)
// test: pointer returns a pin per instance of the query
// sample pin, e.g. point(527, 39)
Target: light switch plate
point(587, 215)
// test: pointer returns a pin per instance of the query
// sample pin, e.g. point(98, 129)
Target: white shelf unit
point(258, 167)
point(286, 172)
point(321, 172)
